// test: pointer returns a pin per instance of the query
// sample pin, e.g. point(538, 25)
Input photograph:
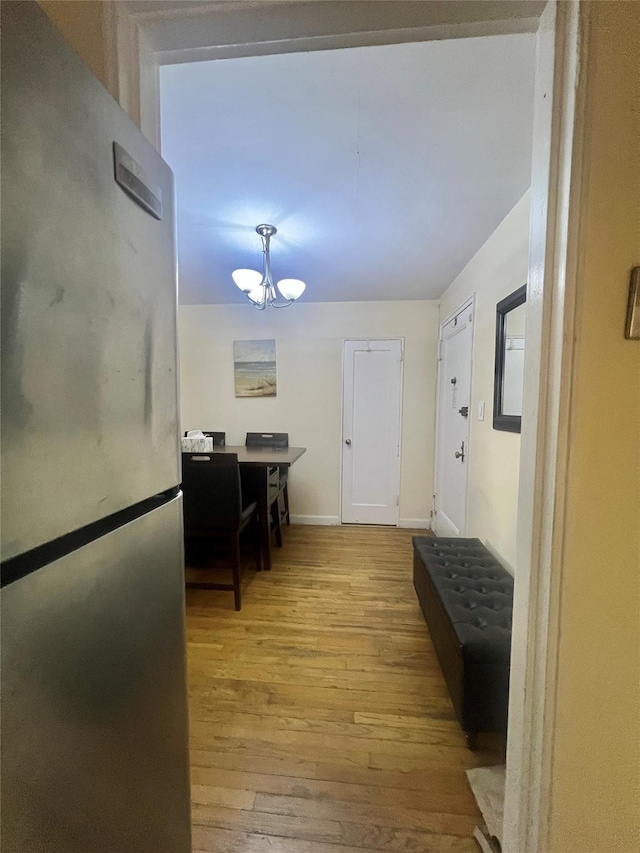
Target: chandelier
point(259, 288)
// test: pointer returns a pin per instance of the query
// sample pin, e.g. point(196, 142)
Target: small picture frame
point(632, 328)
point(254, 365)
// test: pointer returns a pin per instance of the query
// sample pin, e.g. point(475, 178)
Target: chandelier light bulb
point(247, 280)
point(291, 288)
point(256, 295)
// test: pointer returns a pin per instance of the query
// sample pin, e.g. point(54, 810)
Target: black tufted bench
point(467, 600)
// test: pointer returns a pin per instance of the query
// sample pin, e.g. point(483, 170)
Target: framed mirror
point(511, 313)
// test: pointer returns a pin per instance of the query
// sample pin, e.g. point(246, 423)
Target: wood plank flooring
point(320, 720)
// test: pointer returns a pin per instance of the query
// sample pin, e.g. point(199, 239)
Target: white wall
point(496, 270)
point(309, 340)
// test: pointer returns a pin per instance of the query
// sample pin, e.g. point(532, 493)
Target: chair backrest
point(212, 492)
point(219, 438)
point(267, 439)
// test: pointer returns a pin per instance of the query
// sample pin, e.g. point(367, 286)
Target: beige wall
point(81, 23)
point(308, 406)
point(596, 751)
point(496, 270)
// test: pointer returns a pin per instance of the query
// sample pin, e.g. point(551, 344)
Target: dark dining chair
point(278, 440)
point(213, 509)
point(219, 438)
point(267, 439)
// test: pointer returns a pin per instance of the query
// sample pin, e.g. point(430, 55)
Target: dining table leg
point(255, 487)
point(265, 530)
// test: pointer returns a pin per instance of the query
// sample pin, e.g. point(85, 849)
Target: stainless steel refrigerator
point(93, 715)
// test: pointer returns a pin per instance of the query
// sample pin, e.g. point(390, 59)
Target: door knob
point(459, 454)
point(347, 441)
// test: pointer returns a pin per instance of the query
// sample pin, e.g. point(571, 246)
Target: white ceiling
point(384, 168)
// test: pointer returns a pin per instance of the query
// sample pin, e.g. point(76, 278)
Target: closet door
point(371, 428)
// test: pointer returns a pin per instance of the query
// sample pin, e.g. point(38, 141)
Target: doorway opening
point(558, 65)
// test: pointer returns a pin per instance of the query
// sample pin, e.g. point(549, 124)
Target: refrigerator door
point(89, 385)
point(94, 718)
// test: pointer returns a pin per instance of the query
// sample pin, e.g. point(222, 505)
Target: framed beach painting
point(254, 364)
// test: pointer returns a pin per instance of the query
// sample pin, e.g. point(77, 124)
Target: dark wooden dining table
point(255, 466)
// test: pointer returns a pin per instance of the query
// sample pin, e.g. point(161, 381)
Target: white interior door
point(371, 415)
point(452, 453)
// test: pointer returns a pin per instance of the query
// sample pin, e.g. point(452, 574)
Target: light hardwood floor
point(320, 720)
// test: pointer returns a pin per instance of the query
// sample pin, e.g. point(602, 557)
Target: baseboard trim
point(334, 521)
point(327, 520)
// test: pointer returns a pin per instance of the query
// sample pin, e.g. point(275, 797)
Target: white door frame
point(559, 145)
point(132, 64)
point(400, 415)
point(470, 302)
point(558, 150)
